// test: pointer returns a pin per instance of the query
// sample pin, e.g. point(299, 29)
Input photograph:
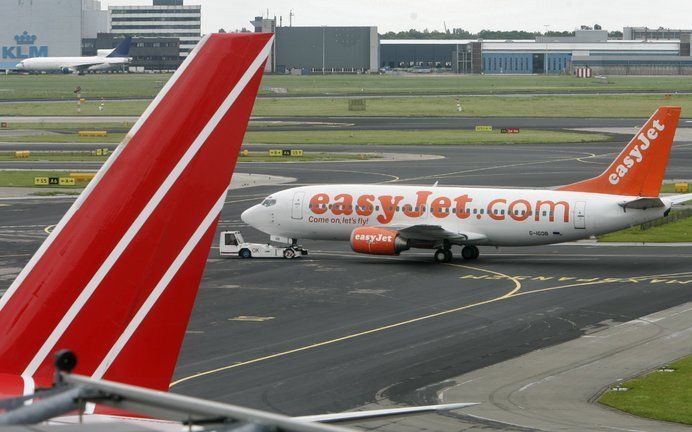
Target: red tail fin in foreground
point(639, 169)
point(116, 279)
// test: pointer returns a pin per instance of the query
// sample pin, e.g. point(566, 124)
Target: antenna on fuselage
point(435, 185)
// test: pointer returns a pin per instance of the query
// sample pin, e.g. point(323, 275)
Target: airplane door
point(580, 215)
point(297, 208)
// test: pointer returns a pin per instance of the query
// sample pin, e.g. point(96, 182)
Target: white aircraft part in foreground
point(388, 219)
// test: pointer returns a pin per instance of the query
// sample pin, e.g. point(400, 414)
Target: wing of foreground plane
point(72, 392)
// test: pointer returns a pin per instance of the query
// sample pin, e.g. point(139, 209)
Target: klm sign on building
point(39, 28)
point(25, 47)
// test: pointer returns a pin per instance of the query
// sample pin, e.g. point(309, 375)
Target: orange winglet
point(639, 169)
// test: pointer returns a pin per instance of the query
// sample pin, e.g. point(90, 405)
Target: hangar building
point(322, 49)
point(41, 28)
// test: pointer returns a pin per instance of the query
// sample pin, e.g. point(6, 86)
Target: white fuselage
point(497, 217)
point(50, 64)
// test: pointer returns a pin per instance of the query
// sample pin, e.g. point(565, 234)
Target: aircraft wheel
point(245, 253)
point(289, 253)
point(442, 255)
point(470, 252)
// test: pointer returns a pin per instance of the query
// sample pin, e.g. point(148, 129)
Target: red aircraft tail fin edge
point(115, 281)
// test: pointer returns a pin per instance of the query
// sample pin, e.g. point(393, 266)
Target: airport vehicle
point(232, 243)
point(103, 61)
point(389, 219)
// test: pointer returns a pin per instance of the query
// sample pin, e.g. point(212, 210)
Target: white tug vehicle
point(231, 243)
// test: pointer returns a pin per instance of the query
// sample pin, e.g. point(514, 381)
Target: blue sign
point(25, 47)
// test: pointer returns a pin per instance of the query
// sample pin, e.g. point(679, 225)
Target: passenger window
point(482, 211)
point(475, 211)
point(545, 213)
point(377, 208)
point(502, 212)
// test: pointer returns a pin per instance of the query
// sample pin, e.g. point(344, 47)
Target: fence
point(673, 216)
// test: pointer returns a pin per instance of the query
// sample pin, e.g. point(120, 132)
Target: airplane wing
point(83, 66)
point(433, 233)
point(73, 391)
point(389, 412)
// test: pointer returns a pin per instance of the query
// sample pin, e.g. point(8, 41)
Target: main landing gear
point(443, 255)
point(470, 252)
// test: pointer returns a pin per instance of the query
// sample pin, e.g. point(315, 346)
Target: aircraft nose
point(19, 65)
point(249, 216)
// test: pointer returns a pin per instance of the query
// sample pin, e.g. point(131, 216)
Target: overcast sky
point(471, 15)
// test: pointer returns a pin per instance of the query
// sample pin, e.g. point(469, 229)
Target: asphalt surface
point(384, 122)
point(335, 330)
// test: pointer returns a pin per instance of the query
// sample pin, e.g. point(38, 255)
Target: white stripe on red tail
point(129, 255)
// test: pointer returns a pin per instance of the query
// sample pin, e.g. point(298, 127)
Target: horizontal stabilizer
point(643, 203)
point(679, 199)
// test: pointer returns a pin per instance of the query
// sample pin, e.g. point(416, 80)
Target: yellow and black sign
point(23, 154)
point(682, 187)
point(484, 128)
point(275, 152)
point(48, 181)
point(94, 133)
point(296, 152)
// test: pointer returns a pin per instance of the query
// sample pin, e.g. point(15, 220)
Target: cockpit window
point(269, 202)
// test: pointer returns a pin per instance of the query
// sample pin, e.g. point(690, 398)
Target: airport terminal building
point(544, 55)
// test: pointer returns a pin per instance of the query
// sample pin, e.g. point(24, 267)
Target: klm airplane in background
point(104, 60)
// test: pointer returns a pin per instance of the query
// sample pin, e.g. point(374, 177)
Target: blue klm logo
point(25, 48)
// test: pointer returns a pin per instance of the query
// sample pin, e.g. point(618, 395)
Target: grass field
point(415, 137)
point(70, 127)
point(147, 85)
point(509, 106)
point(674, 232)
point(658, 395)
point(71, 156)
point(64, 138)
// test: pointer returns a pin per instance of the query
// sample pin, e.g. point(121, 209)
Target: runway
point(334, 331)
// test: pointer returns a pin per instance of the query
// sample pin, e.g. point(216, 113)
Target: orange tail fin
point(639, 169)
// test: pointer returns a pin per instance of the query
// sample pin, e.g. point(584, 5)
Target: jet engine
point(378, 241)
point(65, 70)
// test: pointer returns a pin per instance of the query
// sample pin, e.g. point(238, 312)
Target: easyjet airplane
point(389, 219)
point(116, 279)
